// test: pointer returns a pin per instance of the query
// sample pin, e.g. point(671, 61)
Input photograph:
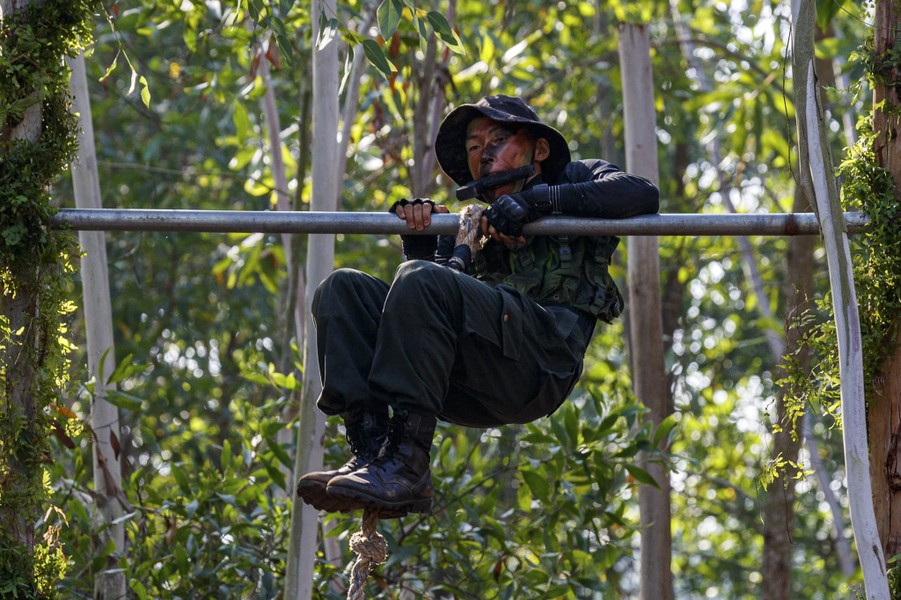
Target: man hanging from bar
point(477, 335)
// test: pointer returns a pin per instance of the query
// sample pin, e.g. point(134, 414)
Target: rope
point(371, 548)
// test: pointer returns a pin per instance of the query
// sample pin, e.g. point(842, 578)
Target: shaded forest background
point(209, 365)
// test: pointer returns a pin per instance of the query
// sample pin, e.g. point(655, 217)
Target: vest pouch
point(525, 275)
point(561, 276)
point(526, 283)
point(561, 287)
point(491, 264)
point(607, 303)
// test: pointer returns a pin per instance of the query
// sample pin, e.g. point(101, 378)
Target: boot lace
point(395, 433)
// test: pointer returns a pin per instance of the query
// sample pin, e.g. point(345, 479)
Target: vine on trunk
point(869, 188)
point(35, 263)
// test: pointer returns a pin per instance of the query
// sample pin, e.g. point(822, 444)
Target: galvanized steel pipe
point(240, 221)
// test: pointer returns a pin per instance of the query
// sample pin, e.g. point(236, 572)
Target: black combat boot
point(399, 481)
point(366, 432)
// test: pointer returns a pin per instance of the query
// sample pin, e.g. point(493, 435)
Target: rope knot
point(371, 548)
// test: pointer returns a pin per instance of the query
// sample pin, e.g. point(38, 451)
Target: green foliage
point(201, 525)
point(520, 512)
point(894, 577)
point(390, 14)
point(545, 511)
point(35, 266)
point(32, 74)
point(826, 11)
point(877, 266)
point(869, 188)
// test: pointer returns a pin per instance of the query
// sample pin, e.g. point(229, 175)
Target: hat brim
point(450, 143)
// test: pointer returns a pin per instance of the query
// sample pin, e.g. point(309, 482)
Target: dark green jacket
point(573, 270)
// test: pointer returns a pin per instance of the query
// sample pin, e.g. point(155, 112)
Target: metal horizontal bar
point(240, 221)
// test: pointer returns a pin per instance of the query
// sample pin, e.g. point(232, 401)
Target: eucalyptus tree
point(818, 181)
point(883, 310)
point(104, 421)
point(320, 260)
point(37, 133)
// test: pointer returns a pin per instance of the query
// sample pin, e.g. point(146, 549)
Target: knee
point(420, 278)
point(418, 273)
point(338, 282)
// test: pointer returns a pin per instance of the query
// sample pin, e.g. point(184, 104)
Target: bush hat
point(450, 143)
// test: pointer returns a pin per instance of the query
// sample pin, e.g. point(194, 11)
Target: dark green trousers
point(439, 342)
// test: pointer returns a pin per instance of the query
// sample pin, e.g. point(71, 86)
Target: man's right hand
point(417, 213)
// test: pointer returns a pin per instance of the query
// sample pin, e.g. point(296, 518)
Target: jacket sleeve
point(445, 249)
point(598, 189)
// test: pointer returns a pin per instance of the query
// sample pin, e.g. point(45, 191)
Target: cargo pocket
point(503, 329)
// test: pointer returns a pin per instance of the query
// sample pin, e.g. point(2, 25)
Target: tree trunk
point(778, 505)
point(302, 545)
point(294, 301)
point(826, 78)
point(17, 405)
point(885, 449)
point(646, 328)
point(430, 103)
point(885, 408)
point(110, 582)
point(352, 100)
point(817, 180)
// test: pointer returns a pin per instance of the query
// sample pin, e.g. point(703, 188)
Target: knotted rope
point(371, 548)
point(470, 233)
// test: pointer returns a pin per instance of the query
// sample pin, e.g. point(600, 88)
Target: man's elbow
point(650, 199)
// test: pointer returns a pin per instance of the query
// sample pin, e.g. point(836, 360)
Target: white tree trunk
point(320, 260)
point(109, 583)
point(295, 292)
point(352, 98)
point(646, 323)
point(818, 174)
point(847, 323)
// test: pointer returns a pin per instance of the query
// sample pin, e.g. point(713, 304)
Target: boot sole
point(386, 510)
point(316, 495)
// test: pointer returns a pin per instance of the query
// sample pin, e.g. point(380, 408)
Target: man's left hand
point(506, 216)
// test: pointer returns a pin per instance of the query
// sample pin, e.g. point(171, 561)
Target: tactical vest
point(564, 269)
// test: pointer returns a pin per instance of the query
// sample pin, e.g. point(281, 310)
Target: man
point(475, 335)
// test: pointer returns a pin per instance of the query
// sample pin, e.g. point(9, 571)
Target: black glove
point(417, 247)
point(414, 202)
point(510, 212)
